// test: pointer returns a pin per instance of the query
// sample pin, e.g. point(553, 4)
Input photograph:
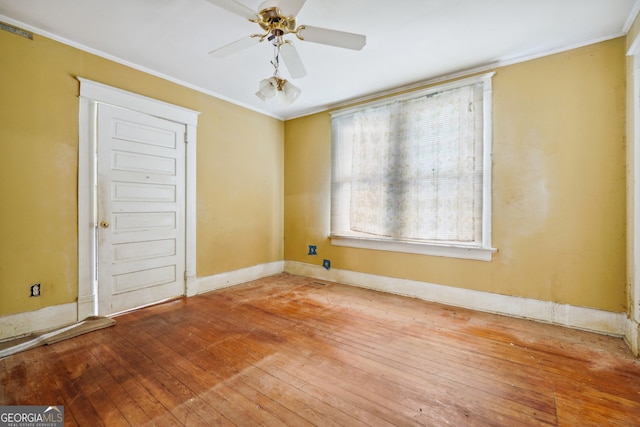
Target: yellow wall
point(239, 171)
point(559, 180)
point(558, 187)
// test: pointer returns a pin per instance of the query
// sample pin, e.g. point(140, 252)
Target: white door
point(141, 209)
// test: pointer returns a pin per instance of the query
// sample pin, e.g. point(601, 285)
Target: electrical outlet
point(326, 264)
point(313, 250)
point(35, 290)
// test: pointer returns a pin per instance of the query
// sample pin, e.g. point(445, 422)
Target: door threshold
point(129, 310)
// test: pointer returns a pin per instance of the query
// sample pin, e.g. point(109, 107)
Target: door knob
point(104, 224)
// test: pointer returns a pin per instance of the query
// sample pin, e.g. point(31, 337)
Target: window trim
point(482, 251)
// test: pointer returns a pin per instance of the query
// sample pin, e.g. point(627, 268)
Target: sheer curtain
point(416, 167)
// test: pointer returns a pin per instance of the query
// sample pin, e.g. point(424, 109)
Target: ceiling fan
point(276, 18)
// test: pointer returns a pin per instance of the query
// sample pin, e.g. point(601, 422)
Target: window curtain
point(417, 168)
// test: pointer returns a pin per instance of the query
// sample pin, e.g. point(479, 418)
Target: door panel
point(141, 205)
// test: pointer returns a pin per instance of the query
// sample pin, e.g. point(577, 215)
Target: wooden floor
point(288, 350)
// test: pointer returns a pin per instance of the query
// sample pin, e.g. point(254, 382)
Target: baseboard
point(588, 319)
point(236, 277)
point(632, 336)
point(15, 325)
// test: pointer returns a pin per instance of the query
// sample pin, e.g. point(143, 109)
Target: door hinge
point(186, 138)
point(185, 276)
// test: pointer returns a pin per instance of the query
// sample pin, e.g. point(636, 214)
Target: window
point(412, 173)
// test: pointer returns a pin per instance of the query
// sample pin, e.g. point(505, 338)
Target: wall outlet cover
point(35, 290)
point(312, 250)
point(326, 264)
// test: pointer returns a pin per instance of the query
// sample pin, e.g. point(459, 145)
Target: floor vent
point(318, 283)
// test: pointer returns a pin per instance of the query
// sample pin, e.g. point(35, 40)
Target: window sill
point(434, 249)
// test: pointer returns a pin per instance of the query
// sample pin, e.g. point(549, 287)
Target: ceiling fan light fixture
point(277, 19)
point(277, 91)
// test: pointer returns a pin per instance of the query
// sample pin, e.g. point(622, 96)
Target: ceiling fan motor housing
point(274, 22)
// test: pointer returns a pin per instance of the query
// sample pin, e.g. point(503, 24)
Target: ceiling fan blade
point(331, 37)
point(235, 8)
point(292, 60)
point(291, 7)
point(235, 47)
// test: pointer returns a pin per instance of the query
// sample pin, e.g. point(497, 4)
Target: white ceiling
point(408, 41)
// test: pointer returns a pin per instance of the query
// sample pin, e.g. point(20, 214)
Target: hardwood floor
point(292, 351)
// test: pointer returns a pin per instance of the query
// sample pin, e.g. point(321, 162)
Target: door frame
point(91, 94)
point(632, 334)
